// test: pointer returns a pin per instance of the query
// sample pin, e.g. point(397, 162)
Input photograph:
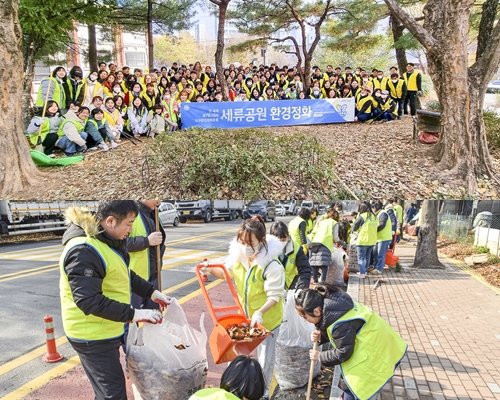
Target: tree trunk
point(29, 74)
point(426, 255)
point(17, 171)
point(92, 48)
point(150, 36)
point(397, 33)
point(219, 52)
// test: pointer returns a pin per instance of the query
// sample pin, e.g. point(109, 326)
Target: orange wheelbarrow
point(222, 346)
point(391, 259)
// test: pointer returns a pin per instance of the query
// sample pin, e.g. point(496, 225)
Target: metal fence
point(454, 226)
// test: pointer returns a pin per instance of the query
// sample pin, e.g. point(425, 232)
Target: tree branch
point(421, 34)
point(488, 61)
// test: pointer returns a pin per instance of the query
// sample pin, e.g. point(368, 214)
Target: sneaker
point(361, 276)
point(114, 145)
point(375, 272)
point(103, 146)
point(370, 269)
point(52, 155)
point(118, 140)
point(92, 149)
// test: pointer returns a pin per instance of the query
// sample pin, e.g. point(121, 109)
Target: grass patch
point(246, 163)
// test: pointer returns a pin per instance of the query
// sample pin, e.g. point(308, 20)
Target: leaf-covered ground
point(378, 160)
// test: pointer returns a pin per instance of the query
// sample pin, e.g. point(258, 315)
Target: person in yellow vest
point(388, 107)
point(43, 129)
point(365, 346)
point(380, 81)
point(413, 81)
point(384, 237)
point(74, 85)
point(72, 135)
point(323, 241)
point(91, 88)
point(397, 90)
point(141, 244)
point(398, 210)
point(53, 88)
point(365, 229)
point(259, 278)
point(364, 105)
point(298, 229)
point(297, 268)
point(311, 222)
point(95, 287)
point(242, 380)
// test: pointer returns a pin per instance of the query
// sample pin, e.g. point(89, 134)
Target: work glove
point(315, 336)
point(305, 248)
point(155, 238)
point(151, 316)
point(314, 355)
point(160, 298)
point(257, 318)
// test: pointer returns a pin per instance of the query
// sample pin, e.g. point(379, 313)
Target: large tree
point(17, 170)
point(267, 19)
point(463, 150)
point(426, 255)
point(222, 6)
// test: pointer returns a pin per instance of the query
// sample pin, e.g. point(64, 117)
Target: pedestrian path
point(451, 322)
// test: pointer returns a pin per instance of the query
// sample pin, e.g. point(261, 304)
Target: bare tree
point(463, 150)
point(426, 255)
point(17, 170)
point(219, 52)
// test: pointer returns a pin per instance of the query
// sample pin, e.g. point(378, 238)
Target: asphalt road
point(29, 289)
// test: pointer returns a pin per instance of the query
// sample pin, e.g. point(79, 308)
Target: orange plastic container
point(392, 259)
point(222, 347)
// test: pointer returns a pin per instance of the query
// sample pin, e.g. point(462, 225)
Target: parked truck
point(290, 206)
point(25, 217)
point(207, 210)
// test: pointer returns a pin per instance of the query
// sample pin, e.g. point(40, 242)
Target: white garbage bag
point(168, 361)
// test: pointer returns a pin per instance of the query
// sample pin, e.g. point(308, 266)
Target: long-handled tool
point(39, 146)
point(158, 250)
point(311, 374)
point(132, 138)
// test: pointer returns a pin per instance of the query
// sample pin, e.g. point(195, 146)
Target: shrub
point(481, 250)
point(492, 124)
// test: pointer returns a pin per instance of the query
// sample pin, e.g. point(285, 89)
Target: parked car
point(280, 210)
point(265, 208)
point(322, 209)
point(168, 214)
point(493, 87)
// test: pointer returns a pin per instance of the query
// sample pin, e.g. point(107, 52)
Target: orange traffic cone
point(52, 355)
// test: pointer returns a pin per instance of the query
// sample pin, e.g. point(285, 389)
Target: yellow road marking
point(26, 271)
point(51, 247)
point(66, 366)
point(192, 260)
point(172, 289)
point(29, 274)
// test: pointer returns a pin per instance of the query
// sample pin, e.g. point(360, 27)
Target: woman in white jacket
point(138, 117)
point(260, 282)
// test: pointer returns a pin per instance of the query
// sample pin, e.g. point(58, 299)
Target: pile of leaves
point(490, 270)
point(32, 237)
point(321, 388)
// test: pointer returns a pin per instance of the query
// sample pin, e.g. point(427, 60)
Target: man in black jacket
point(95, 287)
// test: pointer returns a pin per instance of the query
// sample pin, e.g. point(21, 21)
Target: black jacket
point(85, 270)
point(139, 243)
point(344, 335)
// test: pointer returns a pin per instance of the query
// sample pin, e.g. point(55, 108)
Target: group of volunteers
point(109, 278)
point(78, 113)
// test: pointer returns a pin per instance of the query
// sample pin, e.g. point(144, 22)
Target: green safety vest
point(309, 226)
point(41, 134)
point(57, 94)
point(378, 348)
point(79, 126)
point(213, 394)
point(291, 268)
point(250, 286)
point(115, 286)
point(139, 260)
point(386, 232)
point(399, 213)
point(367, 235)
point(293, 230)
point(324, 233)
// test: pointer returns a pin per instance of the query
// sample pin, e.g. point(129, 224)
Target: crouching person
point(96, 129)
point(73, 138)
point(156, 121)
point(365, 346)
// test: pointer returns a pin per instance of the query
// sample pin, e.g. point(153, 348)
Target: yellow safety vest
point(79, 126)
point(293, 230)
point(362, 101)
point(139, 260)
point(213, 394)
point(387, 106)
point(291, 268)
point(324, 233)
point(115, 286)
point(367, 235)
point(386, 232)
point(382, 85)
point(41, 133)
point(378, 348)
point(250, 287)
point(150, 101)
point(396, 90)
point(309, 226)
point(57, 95)
point(411, 82)
point(112, 117)
point(399, 213)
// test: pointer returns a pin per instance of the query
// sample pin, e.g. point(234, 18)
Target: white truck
point(290, 206)
point(26, 217)
point(207, 210)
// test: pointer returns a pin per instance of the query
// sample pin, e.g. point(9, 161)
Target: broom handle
point(158, 252)
point(311, 373)
point(45, 105)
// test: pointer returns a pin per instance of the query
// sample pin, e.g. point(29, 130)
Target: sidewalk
point(451, 322)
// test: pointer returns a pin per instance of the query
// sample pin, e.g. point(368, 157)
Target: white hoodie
point(274, 283)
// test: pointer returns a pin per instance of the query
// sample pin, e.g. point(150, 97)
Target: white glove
point(152, 316)
point(155, 238)
point(160, 298)
point(257, 318)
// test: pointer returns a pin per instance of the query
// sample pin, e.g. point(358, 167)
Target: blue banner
point(247, 114)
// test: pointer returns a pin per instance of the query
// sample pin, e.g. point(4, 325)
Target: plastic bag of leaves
point(335, 275)
point(168, 360)
point(292, 348)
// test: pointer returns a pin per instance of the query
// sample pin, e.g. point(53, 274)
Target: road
point(29, 289)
